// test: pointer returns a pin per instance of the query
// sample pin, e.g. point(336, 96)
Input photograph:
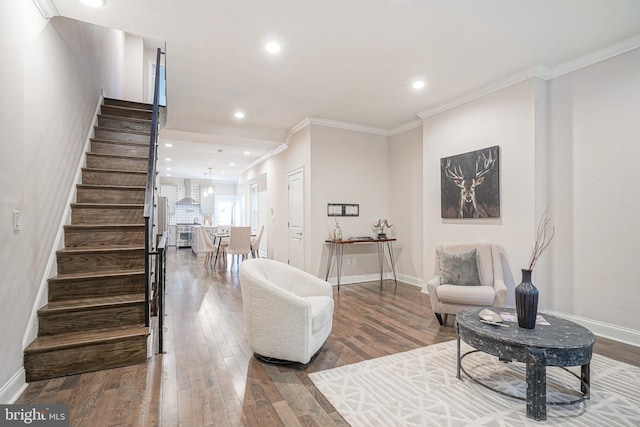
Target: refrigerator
point(162, 226)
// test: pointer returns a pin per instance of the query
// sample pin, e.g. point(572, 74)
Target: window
point(224, 210)
point(254, 207)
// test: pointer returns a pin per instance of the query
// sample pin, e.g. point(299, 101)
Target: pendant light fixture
point(204, 192)
point(210, 189)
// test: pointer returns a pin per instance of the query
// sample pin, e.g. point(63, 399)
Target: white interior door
point(296, 219)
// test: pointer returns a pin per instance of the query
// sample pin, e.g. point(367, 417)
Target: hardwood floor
point(208, 376)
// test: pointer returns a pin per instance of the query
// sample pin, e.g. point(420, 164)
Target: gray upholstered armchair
point(488, 289)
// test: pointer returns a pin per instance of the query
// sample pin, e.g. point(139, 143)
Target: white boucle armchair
point(450, 299)
point(288, 312)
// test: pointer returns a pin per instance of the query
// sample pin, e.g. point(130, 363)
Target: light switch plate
point(16, 220)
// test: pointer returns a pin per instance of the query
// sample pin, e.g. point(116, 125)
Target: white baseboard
point(375, 277)
point(605, 330)
point(12, 389)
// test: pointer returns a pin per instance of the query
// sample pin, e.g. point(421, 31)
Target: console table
point(560, 343)
point(337, 247)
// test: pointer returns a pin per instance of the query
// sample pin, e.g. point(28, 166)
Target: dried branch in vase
point(542, 238)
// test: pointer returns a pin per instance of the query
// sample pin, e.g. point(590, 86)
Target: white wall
point(594, 135)
point(506, 118)
point(274, 173)
point(570, 144)
point(347, 167)
point(405, 199)
point(134, 69)
point(52, 77)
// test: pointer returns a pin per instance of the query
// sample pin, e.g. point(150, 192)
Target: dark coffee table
point(561, 343)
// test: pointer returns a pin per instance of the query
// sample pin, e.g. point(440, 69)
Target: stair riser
point(90, 319)
point(119, 149)
point(110, 195)
point(112, 110)
point(83, 215)
point(116, 163)
point(63, 290)
point(114, 135)
point(100, 262)
point(127, 104)
point(104, 238)
point(114, 178)
point(89, 358)
point(123, 123)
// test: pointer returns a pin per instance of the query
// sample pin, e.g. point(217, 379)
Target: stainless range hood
point(187, 200)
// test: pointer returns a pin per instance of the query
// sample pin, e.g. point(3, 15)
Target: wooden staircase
point(94, 318)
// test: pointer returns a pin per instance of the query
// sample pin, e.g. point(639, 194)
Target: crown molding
point(348, 126)
point(600, 55)
point(47, 8)
point(539, 71)
point(279, 149)
point(303, 124)
point(405, 127)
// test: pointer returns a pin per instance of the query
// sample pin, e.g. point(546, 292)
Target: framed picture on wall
point(470, 184)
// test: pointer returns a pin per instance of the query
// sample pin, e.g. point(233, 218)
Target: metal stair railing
point(150, 199)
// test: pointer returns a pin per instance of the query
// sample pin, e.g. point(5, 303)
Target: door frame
point(302, 207)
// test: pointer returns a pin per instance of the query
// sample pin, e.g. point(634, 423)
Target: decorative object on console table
point(379, 227)
point(526, 292)
point(337, 232)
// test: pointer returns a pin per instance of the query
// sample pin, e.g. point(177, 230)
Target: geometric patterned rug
point(420, 388)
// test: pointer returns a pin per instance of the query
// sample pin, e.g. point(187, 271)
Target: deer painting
point(468, 174)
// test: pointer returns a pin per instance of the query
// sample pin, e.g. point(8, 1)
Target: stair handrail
point(150, 196)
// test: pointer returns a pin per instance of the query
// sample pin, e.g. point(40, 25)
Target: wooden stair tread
point(97, 170)
point(132, 109)
point(72, 251)
point(132, 119)
point(80, 303)
point(102, 226)
point(111, 186)
point(87, 276)
point(78, 339)
point(107, 205)
point(113, 102)
point(117, 156)
point(114, 141)
point(136, 132)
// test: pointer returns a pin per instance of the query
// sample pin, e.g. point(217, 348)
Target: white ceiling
point(346, 60)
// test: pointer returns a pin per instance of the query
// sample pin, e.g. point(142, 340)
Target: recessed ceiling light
point(222, 172)
point(168, 169)
point(272, 47)
point(94, 3)
point(168, 174)
point(239, 115)
point(232, 164)
point(168, 144)
point(418, 84)
point(167, 159)
point(247, 153)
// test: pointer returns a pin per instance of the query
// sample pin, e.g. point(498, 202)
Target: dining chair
point(255, 243)
point(239, 242)
point(207, 244)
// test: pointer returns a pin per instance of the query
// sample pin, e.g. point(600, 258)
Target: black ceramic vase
point(526, 301)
